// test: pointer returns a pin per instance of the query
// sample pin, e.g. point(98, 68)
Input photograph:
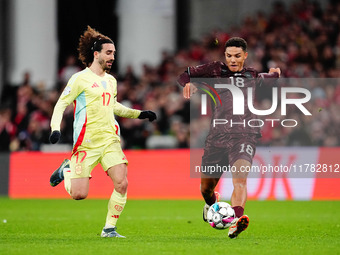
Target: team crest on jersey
point(104, 84)
point(119, 208)
point(67, 91)
point(78, 169)
point(248, 75)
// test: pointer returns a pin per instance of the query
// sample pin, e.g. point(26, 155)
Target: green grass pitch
point(166, 227)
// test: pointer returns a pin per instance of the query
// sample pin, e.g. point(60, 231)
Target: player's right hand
point(55, 136)
point(188, 90)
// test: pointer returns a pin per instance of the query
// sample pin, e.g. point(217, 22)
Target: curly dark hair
point(90, 42)
point(237, 42)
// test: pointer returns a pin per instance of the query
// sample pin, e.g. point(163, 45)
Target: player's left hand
point(148, 115)
point(275, 70)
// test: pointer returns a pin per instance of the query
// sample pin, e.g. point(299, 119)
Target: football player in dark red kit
point(229, 145)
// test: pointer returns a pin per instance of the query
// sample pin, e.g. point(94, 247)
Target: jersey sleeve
point(206, 70)
point(70, 93)
point(183, 79)
point(126, 112)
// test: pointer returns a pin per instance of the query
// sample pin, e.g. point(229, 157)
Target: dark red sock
point(210, 200)
point(238, 211)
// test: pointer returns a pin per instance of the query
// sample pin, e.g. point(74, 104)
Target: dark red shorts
point(237, 146)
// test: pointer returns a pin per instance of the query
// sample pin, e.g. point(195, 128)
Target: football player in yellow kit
point(94, 94)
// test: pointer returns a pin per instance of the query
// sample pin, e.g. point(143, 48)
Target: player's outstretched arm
point(126, 112)
point(56, 120)
point(70, 93)
point(198, 71)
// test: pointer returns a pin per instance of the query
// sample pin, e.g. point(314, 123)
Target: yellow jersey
point(95, 103)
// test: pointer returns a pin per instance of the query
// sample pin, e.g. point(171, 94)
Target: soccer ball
point(220, 215)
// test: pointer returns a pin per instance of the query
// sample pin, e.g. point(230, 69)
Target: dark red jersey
point(228, 118)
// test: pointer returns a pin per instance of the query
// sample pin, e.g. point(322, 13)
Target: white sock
point(67, 180)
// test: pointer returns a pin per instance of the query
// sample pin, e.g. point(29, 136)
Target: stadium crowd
point(302, 39)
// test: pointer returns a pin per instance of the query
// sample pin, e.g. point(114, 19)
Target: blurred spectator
point(7, 129)
point(66, 72)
